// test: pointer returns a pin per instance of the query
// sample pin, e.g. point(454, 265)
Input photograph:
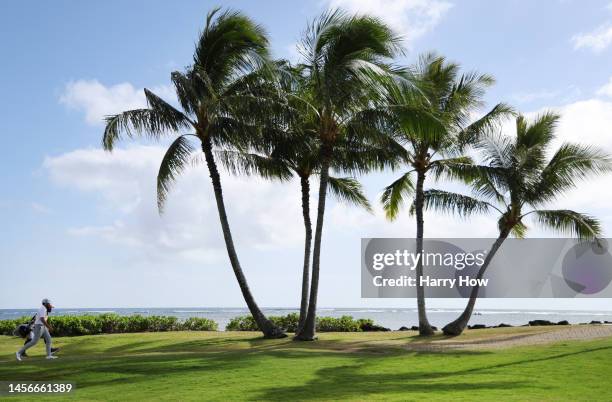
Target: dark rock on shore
point(538, 323)
point(533, 323)
point(369, 327)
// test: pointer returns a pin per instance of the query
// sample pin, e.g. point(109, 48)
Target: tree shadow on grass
point(213, 344)
point(350, 382)
point(353, 376)
point(107, 370)
point(354, 382)
point(96, 344)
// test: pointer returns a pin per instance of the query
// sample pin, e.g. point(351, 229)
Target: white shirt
point(42, 312)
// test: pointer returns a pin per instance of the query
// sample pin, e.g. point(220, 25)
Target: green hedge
point(74, 325)
point(289, 323)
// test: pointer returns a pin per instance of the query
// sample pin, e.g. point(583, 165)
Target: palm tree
point(342, 55)
point(516, 182)
point(452, 98)
point(222, 96)
point(302, 164)
point(291, 148)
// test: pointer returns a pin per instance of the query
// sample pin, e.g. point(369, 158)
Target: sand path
point(532, 336)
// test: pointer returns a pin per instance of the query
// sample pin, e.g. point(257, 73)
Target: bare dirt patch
point(524, 336)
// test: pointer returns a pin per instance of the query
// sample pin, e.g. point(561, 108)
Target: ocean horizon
point(392, 318)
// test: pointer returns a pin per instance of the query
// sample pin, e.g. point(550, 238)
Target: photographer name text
point(408, 260)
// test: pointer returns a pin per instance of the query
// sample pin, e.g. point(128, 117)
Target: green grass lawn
point(355, 366)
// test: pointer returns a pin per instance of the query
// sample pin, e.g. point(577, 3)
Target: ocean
point(389, 317)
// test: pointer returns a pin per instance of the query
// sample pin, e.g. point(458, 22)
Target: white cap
point(46, 301)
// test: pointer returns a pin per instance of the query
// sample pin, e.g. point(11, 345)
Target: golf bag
point(24, 330)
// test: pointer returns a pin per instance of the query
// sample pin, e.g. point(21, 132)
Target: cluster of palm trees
point(347, 109)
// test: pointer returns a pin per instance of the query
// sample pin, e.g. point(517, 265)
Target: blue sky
point(80, 226)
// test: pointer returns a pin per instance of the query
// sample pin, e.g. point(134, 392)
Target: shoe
point(54, 350)
point(51, 357)
point(18, 356)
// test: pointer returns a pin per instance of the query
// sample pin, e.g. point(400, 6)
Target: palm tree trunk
point(308, 330)
point(305, 184)
point(456, 327)
point(269, 330)
point(424, 326)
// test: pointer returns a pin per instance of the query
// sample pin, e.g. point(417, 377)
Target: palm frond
point(175, 160)
point(342, 56)
point(569, 164)
point(193, 89)
point(539, 132)
point(243, 163)
point(519, 230)
point(459, 204)
point(349, 190)
point(491, 183)
point(570, 222)
point(394, 195)
point(459, 168)
point(497, 150)
point(230, 44)
point(159, 119)
point(484, 125)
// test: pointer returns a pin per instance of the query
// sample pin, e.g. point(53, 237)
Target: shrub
point(242, 323)
point(287, 322)
point(290, 321)
point(199, 324)
point(342, 324)
point(7, 327)
point(75, 325)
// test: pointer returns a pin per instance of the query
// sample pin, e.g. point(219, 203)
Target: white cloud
point(264, 215)
point(358, 222)
point(411, 18)
point(606, 90)
point(596, 40)
point(586, 122)
point(589, 122)
point(98, 100)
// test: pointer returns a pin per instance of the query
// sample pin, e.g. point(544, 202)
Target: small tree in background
point(436, 87)
point(289, 147)
point(516, 181)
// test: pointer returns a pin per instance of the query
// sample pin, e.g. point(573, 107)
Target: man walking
point(41, 329)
